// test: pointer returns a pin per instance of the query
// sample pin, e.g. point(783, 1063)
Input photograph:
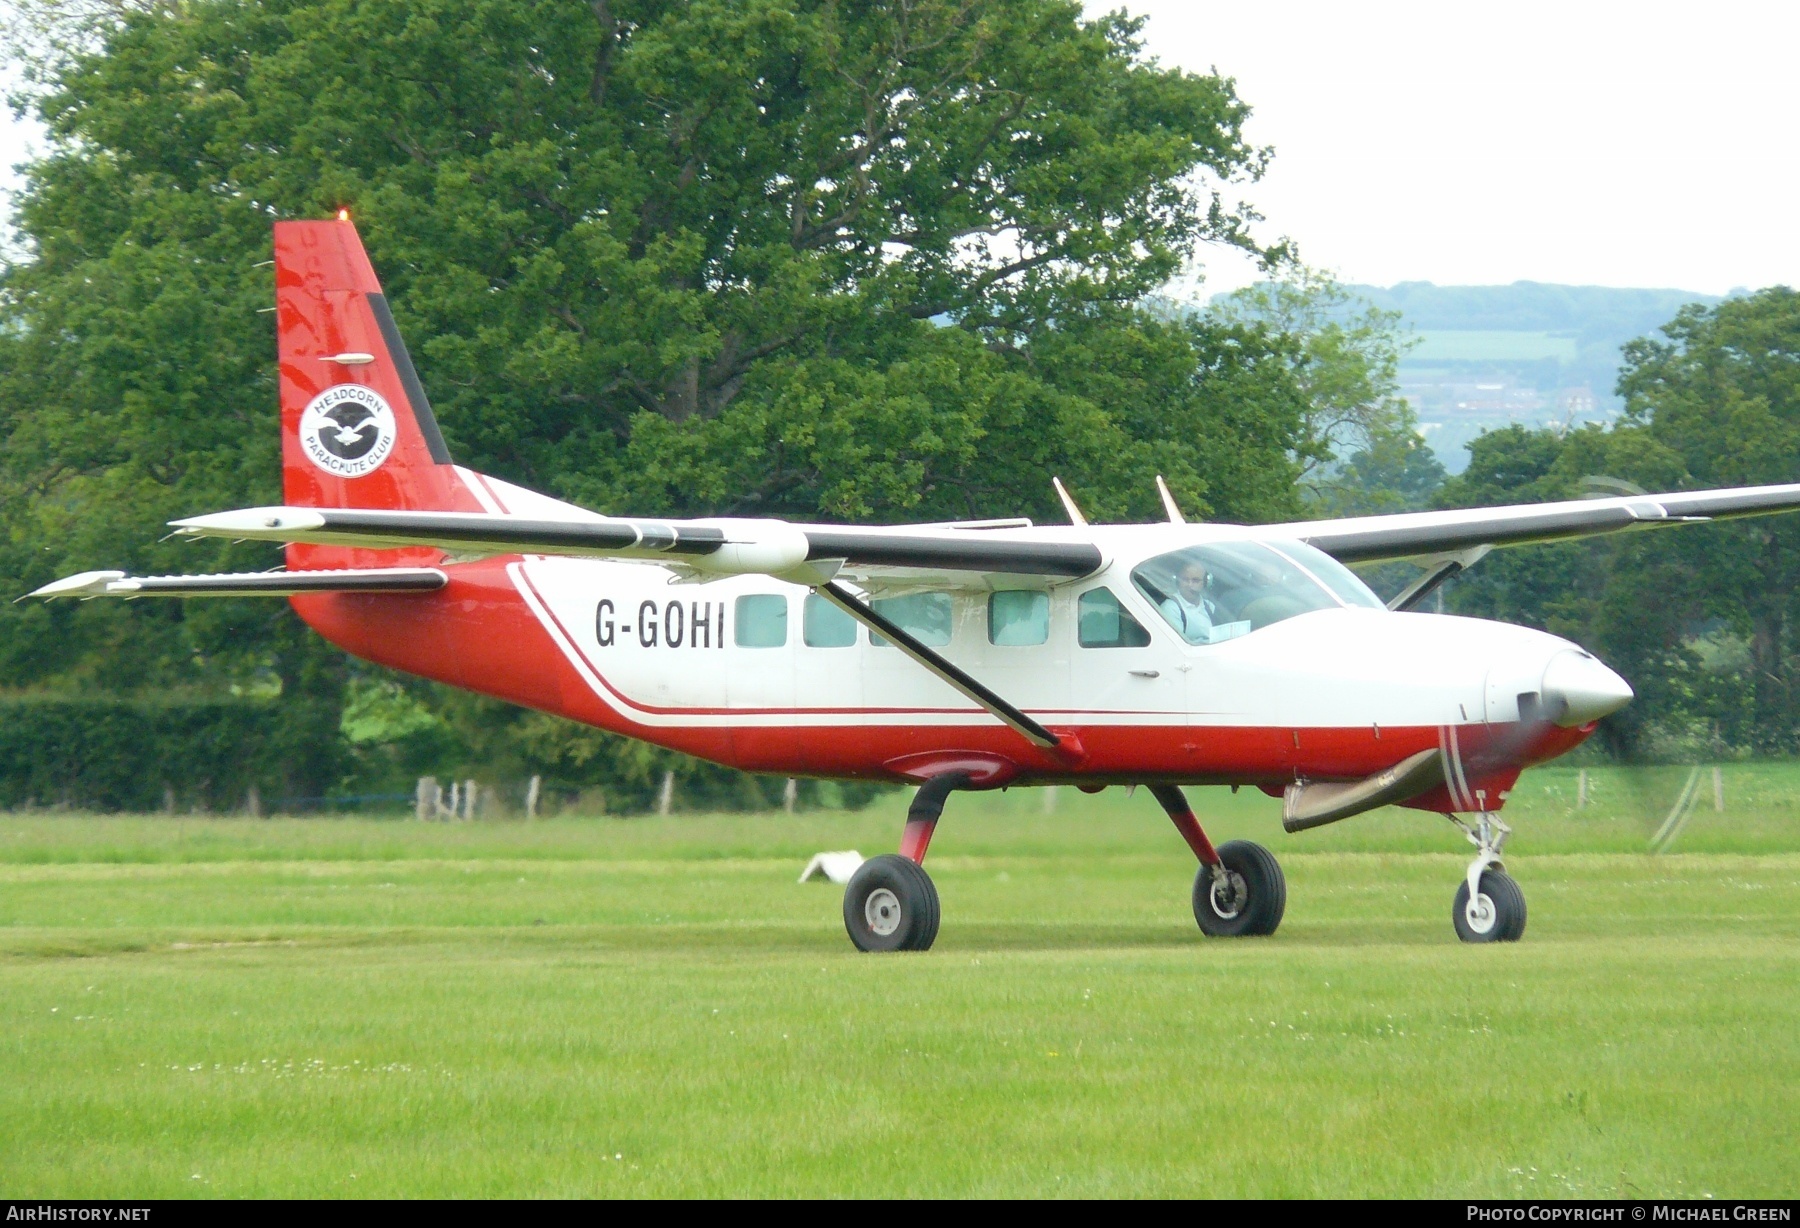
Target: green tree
point(1347, 365)
point(1395, 471)
point(606, 220)
point(821, 259)
point(1721, 392)
point(1359, 450)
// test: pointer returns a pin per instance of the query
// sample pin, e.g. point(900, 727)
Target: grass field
point(649, 1007)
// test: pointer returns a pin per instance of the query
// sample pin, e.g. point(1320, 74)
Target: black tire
point(891, 904)
point(1504, 918)
point(1252, 899)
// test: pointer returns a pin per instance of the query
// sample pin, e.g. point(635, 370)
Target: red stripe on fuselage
point(478, 633)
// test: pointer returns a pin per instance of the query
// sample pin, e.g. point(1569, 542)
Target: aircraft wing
point(809, 554)
point(1424, 535)
point(881, 558)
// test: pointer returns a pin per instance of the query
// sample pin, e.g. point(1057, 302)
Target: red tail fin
point(356, 429)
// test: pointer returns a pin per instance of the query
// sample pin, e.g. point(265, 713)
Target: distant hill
point(1586, 313)
point(1529, 352)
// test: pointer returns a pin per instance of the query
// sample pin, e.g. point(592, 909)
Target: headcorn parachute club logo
point(347, 430)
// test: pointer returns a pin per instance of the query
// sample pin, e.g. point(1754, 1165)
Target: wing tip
point(249, 522)
point(83, 584)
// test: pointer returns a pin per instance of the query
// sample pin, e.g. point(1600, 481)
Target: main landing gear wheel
point(1245, 894)
point(891, 904)
point(1496, 914)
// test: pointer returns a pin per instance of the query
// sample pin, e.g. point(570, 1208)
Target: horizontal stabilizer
point(248, 584)
point(1314, 804)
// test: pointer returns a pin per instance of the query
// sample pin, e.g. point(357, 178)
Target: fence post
point(1581, 789)
point(531, 796)
point(470, 795)
point(1049, 799)
point(168, 799)
point(1718, 790)
point(790, 793)
point(253, 803)
point(667, 796)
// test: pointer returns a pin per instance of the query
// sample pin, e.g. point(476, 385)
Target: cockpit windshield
point(1226, 589)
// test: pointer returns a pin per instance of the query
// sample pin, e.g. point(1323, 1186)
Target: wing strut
point(1436, 572)
point(847, 601)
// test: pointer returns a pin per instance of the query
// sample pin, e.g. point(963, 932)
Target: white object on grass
point(838, 867)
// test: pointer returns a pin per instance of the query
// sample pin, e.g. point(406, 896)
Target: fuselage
point(1295, 675)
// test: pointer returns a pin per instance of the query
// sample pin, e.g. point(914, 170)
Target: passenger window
point(924, 616)
point(1018, 617)
point(1104, 623)
point(823, 625)
point(1226, 589)
point(761, 621)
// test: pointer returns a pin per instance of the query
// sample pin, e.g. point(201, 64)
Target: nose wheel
point(1489, 906)
point(1494, 913)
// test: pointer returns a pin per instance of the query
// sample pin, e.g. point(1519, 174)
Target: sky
point(1643, 144)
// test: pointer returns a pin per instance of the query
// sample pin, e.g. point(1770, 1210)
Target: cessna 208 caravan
point(949, 656)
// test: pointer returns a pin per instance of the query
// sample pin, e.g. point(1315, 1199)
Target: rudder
point(356, 427)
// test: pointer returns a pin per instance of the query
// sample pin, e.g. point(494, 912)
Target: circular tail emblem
point(347, 430)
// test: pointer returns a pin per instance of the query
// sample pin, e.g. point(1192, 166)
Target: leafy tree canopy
point(1360, 451)
point(848, 261)
point(601, 222)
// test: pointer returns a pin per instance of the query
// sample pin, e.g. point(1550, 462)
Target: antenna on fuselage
point(1075, 516)
point(1162, 488)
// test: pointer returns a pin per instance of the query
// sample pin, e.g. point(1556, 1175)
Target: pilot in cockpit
point(1189, 610)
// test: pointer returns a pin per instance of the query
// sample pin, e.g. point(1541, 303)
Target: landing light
point(343, 215)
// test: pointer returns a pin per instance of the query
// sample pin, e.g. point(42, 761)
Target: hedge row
point(108, 753)
point(117, 754)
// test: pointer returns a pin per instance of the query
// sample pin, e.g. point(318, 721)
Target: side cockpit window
point(1345, 584)
point(1102, 622)
point(1218, 592)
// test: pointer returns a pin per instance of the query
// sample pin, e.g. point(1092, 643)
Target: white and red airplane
point(952, 656)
